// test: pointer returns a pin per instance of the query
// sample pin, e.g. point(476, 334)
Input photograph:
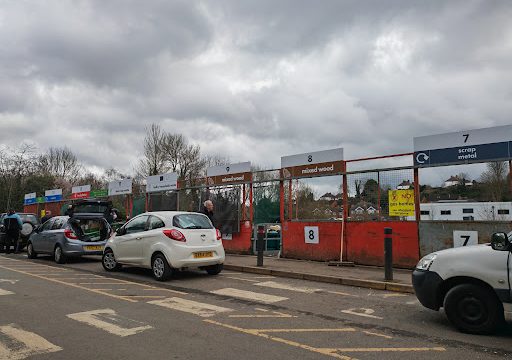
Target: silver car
point(64, 237)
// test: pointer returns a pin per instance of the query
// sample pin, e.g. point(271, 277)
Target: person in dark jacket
point(208, 210)
point(12, 225)
point(47, 216)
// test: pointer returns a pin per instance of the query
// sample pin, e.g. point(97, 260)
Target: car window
point(192, 221)
point(136, 225)
point(47, 225)
point(57, 223)
point(31, 218)
point(155, 223)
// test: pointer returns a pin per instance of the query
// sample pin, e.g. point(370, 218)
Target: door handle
point(138, 238)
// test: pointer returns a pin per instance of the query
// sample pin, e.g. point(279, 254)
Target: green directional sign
point(99, 193)
point(40, 200)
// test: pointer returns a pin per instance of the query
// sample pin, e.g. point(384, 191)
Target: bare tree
point(494, 180)
point(60, 163)
point(154, 160)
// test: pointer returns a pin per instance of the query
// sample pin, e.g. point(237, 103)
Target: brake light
point(69, 234)
point(219, 235)
point(175, 235)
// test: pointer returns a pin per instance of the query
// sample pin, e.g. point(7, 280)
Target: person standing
point(208, 210)
point(47, 216)
point(12, 225)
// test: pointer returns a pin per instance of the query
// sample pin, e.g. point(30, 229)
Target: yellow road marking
point(386, 349)
point(100, 319)
point(69, 284)
point(192, 307)
point(301, 330)
point(249, 295)
point(33, 344)
point(377, 334)
point(145, 296)
point(100, 283)
point(6, 292)
point(280, 340)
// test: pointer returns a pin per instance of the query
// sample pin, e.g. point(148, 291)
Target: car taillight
point(175, 235)
point(69, 234)
point(219, 235)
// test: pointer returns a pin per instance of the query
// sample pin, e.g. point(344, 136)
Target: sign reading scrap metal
point(229, 174)
point(464, 147)
point(120, 187)
point(164, 182)
point(401, 202)
point(319, 163)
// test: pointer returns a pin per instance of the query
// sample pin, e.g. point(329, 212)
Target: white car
point(165, 241)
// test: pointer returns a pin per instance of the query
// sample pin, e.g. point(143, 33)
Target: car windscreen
point(192, 221)
point(31, 218)
point(90, 209)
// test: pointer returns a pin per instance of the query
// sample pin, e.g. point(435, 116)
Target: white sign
point(316, 157)
point(229, 169)
point(53, 192)
point(30, 196)
point(464, 138)
point(162, 182)
point(464, 238)
point(80, 189)
point(311, 235)
point(120, 187)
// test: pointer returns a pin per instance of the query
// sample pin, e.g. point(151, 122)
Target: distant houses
point(455, 180)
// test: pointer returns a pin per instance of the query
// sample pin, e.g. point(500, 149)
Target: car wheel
point(161, 269)
point(214, 269)
point(58, 255)
point(109, 261)
point(31, 254)
point(473, 309)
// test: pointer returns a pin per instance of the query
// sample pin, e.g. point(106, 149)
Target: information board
point(164, 182)
point(318, 163)
point(120, 187)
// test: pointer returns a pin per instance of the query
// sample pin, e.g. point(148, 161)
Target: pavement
point(371, 277)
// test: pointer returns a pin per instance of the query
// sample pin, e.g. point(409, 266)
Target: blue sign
point(463, 154)
point(53, 198)
point(29, 201)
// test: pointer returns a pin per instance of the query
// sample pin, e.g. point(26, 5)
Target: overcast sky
point(252, 80)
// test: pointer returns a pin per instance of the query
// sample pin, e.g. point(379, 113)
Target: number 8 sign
point(311, 235)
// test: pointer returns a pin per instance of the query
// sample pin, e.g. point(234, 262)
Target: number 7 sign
point(464, 238)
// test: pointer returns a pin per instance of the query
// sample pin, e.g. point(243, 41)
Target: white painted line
point(6, 292)
point(393, 295)
point(276, 285)
point(342, 293)
point(9, 281)
point(107, 319)
point(192, 307)
point(18, 344)
point(249, 295)
point(241, 279)
point(364, 312)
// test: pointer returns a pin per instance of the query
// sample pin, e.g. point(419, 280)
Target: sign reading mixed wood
point(319, 163)
point(229, 174)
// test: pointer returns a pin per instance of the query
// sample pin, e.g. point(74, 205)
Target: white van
point(471, 283)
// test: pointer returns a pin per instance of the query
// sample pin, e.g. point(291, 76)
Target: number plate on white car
point(203, 254)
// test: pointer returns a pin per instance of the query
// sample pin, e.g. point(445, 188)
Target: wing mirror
point(121, 231)
point(501, 242)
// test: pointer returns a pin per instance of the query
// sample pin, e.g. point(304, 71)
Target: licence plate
point(203, 254)
point(93, 248)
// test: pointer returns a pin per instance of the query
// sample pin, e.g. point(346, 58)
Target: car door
point(129, 245)
point(153, 235)
point(52, 235)
point(40, 240)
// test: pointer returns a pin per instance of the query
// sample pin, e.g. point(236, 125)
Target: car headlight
point(426, 262)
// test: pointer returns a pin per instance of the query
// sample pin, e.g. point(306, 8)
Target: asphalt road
point(78, 311)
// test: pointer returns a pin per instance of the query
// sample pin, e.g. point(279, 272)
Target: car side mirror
point(121, 231)
point(501, 242)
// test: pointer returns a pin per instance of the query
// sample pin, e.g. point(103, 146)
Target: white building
point(454, 180)
point(468, 211)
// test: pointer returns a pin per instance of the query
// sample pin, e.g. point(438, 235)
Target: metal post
point(260, 244)
point(388, 254)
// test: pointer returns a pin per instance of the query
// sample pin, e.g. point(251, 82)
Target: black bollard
point(260, 244)
point(388, 254)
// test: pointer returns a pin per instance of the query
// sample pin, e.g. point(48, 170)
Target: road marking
point(6, 292)
point(241, 279)
point(415, 302)
point(100, 283)
point(386, 349)
point(255, 332)
point(377, 334)
point(9, 281)
point(263, 277)
point(192, 307)
point(364, 312)
point(302, 330)
point(249, 295)
point(169, 290)
point(268, 314)
point(145, 296)
point(18, 344)
point(108, 320)
point(342, 293)
point(276, 285)
point(393, 295)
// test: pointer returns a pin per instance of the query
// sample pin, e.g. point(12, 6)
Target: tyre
point(473, 309)
point(109, 261)
point(214, 269)
point(161, 269)
point(58, 255)
point(31, 254)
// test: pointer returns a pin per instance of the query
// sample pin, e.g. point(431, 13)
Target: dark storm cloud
point(252, 80)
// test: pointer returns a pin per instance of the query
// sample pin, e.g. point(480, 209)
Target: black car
point(30, 223)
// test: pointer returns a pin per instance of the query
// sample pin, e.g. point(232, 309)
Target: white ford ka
point(166, 241)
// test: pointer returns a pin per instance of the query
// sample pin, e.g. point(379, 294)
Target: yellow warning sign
point(401, 202)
